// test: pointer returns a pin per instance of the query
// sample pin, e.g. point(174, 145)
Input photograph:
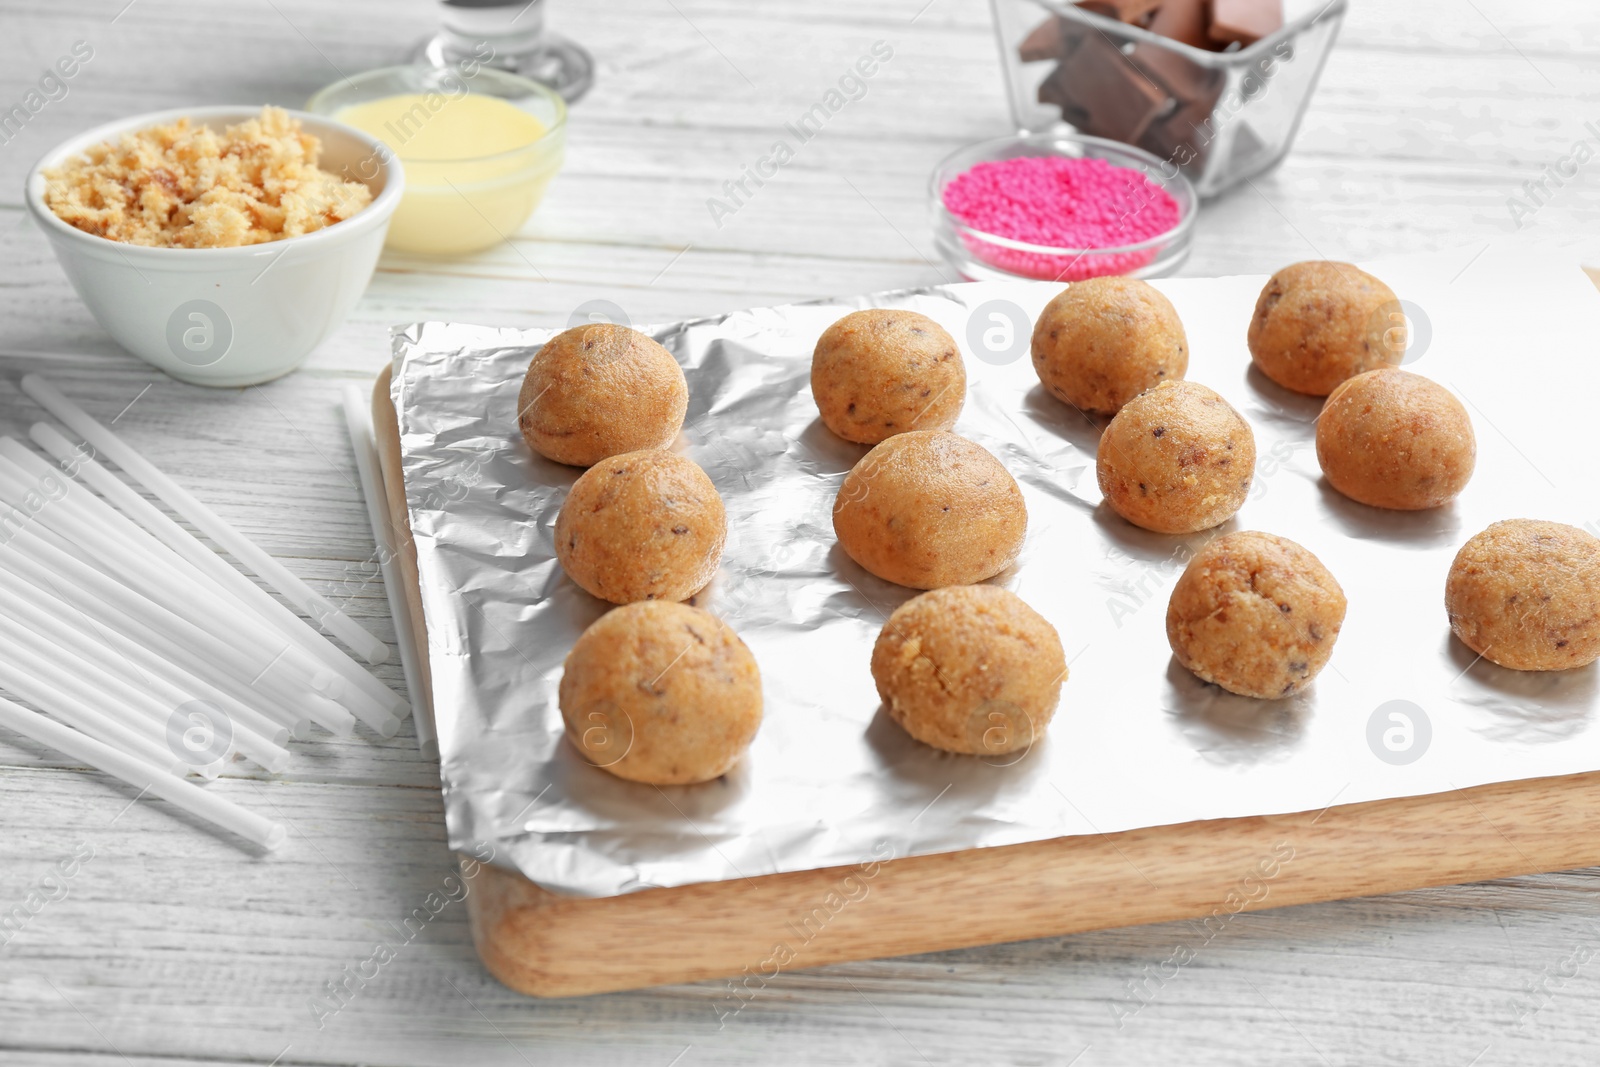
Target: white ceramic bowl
point(228, 316)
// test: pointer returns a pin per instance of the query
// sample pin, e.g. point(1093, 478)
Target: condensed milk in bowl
point(479, 147)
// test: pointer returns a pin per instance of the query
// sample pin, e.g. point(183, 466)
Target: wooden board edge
point(386, 431)
point(751, 929)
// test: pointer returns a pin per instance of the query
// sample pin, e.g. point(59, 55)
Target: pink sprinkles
point(1060, 202)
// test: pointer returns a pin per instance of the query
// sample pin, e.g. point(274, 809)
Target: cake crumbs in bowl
point(187, 186)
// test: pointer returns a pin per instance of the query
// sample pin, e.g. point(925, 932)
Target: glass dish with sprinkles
point(1060, 207)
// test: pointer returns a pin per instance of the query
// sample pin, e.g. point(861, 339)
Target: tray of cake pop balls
point(989, 563)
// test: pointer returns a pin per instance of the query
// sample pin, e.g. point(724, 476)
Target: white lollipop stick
point(70, 709)
point(143, 775)
point(35, 474)
point(240, 547)
point(79, 607)
point(58, 620)
point(78, 530)
point(45, 566)
point(31, 473)
point(150, 675)
point(79, 678)
point(174, 590)
point(333, 717)
point(138, 513)
point(359, 422)
point(14, 518)
point(179, 593)
point(380, 721)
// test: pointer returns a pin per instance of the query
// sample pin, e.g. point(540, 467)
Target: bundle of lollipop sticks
point(154, 658)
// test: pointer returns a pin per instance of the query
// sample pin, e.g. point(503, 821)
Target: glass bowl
point(468, 202)
point(980, 256)
point(1222, 117)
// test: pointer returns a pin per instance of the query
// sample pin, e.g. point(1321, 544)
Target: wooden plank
point(546, 945)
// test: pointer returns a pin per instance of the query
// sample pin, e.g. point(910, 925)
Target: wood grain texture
point(752, 929)
point(175, 948)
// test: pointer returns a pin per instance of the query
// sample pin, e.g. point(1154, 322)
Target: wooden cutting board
point(750, 929)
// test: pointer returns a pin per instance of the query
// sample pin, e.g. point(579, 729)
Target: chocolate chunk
point(1183, 136)
point(1182, 20)
point(1154, 96)
point(1196, 87)
point(1051, 92)
point(1180, 132)
point(1244, 22)
point(1043, 42)
point(1119, 100)
point(1134, 11)
point(1054, 38)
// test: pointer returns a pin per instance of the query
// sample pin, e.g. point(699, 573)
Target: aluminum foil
point(1402, 709)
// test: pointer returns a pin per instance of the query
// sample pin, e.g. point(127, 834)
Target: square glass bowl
point(1221, 117)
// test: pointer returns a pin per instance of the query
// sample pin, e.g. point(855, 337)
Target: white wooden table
point(173, 946)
